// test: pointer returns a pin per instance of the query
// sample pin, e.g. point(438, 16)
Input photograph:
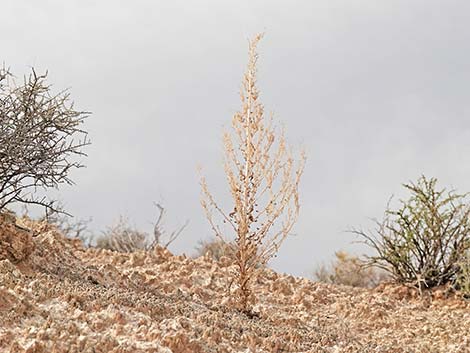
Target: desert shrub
point(216, 249)
point(349, 270)
point(123, 237)
point(69, 226)
point(40, 135)
point(423, 241)
point(263, 178)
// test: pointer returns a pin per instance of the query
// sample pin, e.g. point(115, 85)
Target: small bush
point(69, 226)
point(122, 237)
point(424, 240)
point(216, 249)
point(72, 228)
point(349, 270)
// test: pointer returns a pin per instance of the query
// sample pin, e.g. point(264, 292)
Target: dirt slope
point(56, 296)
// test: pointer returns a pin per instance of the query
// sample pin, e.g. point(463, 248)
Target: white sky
point(376, 91)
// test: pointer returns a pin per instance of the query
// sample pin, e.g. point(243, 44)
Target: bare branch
point(159, 232)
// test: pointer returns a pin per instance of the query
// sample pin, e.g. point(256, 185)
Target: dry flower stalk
point(263, 177)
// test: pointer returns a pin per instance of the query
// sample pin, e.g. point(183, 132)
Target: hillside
point(56, 296)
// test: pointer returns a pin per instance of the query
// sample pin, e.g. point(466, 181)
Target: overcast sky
point(376, 91)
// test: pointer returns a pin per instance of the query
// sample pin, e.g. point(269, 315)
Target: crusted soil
point(56, 296)
point(15, 242)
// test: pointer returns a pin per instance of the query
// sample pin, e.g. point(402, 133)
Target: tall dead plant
point(263, 177)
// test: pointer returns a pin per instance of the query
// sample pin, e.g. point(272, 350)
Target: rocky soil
point(56, 296)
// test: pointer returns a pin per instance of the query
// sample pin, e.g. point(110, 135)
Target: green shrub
point(424, 240)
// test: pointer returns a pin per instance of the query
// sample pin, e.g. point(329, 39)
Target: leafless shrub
point(263, 178)
point(72, 228)
point(216, 249)
point(68, 225)
point(39, 136)
point(123, 237)
point(423, 241)
point(349, 270)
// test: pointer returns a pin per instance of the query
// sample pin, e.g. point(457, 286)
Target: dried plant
point(66, 224)
point(70, 227)
point(122, 237)
point(39, 136)
point(263, 178)
point(349, 270)
point(216, 249)
point(423, 241)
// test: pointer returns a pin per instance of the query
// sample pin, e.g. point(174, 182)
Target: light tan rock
point(65, 298)
point(16, 243)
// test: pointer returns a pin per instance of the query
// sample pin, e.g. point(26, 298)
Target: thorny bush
point(423, 241)
point(40, 138)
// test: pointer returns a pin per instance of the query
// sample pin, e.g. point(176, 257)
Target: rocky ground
point(56, 296)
